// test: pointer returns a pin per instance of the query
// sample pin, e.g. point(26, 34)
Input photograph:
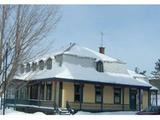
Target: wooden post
point(149, 97)
point(139, 99)
point(123, 98)
point(39, 97)
point(55, 91)
point(156, 98)
point(45, 90)
point(102, 97)
point(81, 95)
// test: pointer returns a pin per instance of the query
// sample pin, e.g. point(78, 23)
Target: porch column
point(149, 97)
point(81, 95)
point(123, 98)
point(45, 90)
point(55, 92)
point(28, 92)
point(156, 98)
point(139, 99)
point(102, 97)
point(39, 85)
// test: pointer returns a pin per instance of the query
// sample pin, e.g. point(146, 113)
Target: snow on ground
point(107, 113)
point(11, 111)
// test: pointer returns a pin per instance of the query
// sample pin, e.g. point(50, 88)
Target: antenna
point(102, 34)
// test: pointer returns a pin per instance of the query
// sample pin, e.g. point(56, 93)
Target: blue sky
point(131, 33)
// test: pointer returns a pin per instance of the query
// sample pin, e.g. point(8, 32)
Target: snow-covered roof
point(154, 88)
point(134, 74)
point(86, 52)
point(74, 49)
point(77, 72)
point(141, 78)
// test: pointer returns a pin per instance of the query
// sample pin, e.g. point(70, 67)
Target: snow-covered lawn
point(11, 111)
point(107, 113)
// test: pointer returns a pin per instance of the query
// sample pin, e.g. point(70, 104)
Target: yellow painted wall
point(108, 94)
point(126, 95)
point(145, 99)
point(67, 93)
point(89, 93)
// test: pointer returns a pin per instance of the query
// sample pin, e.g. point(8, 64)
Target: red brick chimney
point(102, 50)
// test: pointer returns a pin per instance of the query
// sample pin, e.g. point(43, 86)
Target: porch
point(94, 107)
point(32, 105)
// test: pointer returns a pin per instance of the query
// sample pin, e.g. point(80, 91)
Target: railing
point(99, 107)
point(31, 102)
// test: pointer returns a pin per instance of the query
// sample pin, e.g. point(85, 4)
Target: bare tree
point(22, 27)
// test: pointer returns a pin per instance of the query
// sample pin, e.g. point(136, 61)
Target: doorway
point(132, 98)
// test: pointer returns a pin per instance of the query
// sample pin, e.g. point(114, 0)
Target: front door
point(133, 99)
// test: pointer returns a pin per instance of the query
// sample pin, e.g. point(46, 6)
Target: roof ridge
point(71, 45)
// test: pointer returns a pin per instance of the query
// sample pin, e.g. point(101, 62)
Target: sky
point(131, 33)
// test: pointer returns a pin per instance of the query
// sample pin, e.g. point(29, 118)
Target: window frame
point(34, 66)
point(22, 68)
point(49, 64)
point(28, 67)
point(119, 95)
point(49, 91)
point(34, 91)
point(41, 65)
point(99, 66)
point(80, 94)
point(101, 94)
point(42, 89)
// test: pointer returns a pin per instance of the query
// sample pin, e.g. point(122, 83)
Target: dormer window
point(99, 66)
point(49, 63)
point(28, 67)
point(41, 65)
point(34, 66)
point(22, 69)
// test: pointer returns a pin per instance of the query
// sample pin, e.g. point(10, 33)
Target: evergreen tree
point(138, 71)
point(156, 73)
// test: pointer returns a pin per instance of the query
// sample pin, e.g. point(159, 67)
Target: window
point(99, 66)
point(49, 63)
point(34, 92)
point(49, 91)
point(41, 65)
point(22, 69)
point(28, 67)
point(77, 93)
point(34, 66)
point(98, 94)
point(42, 91)
point(117, 95)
